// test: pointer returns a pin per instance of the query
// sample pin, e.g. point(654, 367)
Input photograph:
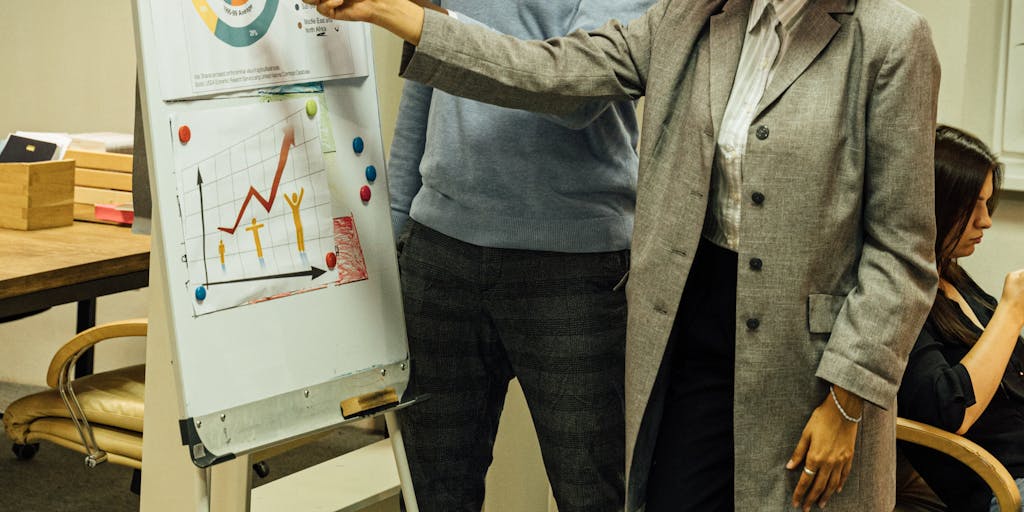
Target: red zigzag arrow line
point(289, 140)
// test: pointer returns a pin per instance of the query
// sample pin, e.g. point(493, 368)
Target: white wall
point(68, 66)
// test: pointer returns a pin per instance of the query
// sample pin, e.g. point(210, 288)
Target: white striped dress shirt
point(768, 33)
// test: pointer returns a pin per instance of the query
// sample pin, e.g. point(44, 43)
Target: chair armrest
point(966, 451)
point(89, 337)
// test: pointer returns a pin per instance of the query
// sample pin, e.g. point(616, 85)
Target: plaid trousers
point(478, 316)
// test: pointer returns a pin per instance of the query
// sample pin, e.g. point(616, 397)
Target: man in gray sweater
point(513, 231)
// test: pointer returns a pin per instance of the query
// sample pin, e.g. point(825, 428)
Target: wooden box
point(100, 179)
point(37, 195)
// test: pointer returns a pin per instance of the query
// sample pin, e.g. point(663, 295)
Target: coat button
point(753, 324)
point(762, 132)
point(756, 263)
point(757, 197)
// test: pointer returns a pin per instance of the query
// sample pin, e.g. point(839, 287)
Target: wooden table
point(77, 263)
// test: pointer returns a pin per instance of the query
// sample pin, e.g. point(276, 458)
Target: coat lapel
point(728, 29)
point(811, 36)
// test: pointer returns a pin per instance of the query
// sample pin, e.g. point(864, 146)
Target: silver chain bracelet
point(847, 417)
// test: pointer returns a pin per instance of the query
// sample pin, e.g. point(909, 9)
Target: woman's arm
point(558, 76)
point(896, 277)
point(986, 361)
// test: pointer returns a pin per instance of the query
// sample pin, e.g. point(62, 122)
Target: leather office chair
point(969, 453)
point(98, 415)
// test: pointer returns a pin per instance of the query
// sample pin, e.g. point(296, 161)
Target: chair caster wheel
point(25, 451)
point(261, 468)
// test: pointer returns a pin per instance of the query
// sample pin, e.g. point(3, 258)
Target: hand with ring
point(825, 450)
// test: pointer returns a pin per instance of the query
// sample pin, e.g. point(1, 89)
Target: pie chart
point(237, 35)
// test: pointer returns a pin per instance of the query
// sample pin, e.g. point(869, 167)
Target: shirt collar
point(785, 10)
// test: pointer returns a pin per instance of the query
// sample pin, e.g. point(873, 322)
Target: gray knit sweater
point(497, 177)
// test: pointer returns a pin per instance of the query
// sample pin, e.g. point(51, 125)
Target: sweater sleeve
point(933, 390)
point(407, 148)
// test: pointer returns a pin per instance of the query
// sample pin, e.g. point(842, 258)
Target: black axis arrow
point(202, 220)
point(313, 272)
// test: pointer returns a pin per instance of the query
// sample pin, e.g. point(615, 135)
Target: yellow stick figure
point(220, 249)
point(255, 229)
point(294, 201)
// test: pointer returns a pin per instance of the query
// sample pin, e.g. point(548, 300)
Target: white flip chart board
point(273, 215)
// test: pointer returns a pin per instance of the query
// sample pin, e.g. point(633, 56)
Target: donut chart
point(213, 46)
point(240, 36)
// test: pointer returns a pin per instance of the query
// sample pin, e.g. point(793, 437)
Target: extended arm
point(557, 76)
point(576, 120)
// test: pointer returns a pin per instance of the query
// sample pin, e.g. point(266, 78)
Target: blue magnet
point(358, 145)
point(371, 173)
point(201, 293)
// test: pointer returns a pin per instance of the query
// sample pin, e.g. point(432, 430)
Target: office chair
point(98, 415)
point(969, 453)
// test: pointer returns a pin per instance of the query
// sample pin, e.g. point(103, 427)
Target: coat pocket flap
point(822, 310)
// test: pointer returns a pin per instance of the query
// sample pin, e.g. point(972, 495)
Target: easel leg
point(230, 485)
point(398, 447)
point(169, 479)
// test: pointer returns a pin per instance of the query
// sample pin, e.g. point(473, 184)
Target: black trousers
point(692, 467)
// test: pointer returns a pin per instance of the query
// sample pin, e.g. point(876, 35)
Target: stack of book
point(103, 186)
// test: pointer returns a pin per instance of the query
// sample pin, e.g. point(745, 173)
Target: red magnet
point(364, 193)
point(184, 134)
point(332, 260)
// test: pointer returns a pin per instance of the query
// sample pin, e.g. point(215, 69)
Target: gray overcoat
point(838, 205)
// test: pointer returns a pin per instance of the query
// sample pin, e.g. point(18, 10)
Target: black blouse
point(937, 390)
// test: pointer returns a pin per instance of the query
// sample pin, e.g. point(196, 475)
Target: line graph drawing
point(259, 154)
point(268, 203)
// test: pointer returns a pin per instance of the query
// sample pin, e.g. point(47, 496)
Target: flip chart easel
point(246, 349)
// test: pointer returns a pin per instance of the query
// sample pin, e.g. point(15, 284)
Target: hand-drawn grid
point(245, 202)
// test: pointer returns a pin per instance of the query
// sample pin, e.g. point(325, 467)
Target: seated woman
point(966, 371)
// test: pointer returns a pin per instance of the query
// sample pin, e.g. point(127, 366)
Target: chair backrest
point(67, 355)
point(995, 475)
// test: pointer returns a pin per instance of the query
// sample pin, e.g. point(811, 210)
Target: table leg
point(86, 319)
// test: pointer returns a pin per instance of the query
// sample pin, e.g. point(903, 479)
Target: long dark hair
point(962, 163)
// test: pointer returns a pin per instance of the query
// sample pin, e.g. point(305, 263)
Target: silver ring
point(809, 472)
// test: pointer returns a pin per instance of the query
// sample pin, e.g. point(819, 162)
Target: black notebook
point(21, 149)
